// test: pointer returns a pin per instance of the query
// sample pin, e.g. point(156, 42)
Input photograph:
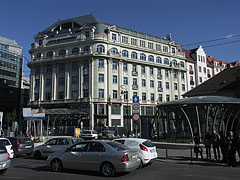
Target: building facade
point(201, 67)
point(86, 64)
point(11, 60)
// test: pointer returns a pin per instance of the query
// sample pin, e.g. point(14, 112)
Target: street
point(28, 169)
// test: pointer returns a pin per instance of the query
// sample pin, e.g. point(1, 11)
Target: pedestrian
point(231, 140)
point(223, 146)
point(207, 143)
point(197, 147)
point(238, 145)
point(215, 145)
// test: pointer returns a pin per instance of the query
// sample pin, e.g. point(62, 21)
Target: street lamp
point(123, 89)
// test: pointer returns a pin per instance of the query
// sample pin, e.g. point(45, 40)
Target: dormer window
point(39, 55)
point(40, 42)
point(75, 50)
point(87, 34)
point(62, 52)
point(50, 54)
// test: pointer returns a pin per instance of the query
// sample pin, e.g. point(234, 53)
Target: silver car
point(108, 157)
point(54, 145)
point(4, 159)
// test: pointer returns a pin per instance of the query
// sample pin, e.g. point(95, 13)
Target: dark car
point(22, 145)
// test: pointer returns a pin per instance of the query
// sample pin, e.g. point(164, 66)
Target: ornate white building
point(86, 64)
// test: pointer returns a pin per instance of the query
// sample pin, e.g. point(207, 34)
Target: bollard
point(191, 154)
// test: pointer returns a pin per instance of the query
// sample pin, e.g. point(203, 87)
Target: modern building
point(11, 60)
point(202, 67)
point(83, 63)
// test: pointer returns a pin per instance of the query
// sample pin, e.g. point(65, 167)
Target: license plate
point(27, 147)
point(152, 151)
point(134, 157)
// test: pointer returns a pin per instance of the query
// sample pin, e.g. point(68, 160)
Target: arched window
point(151, 58)
point(142, 57)
point(174, 62)
point(75, 50)
point(100, 48)
point(86, 48)
point(62, 52)
point(182, 64)
point(166, 61)
point(125, 53)
point(39, 55)
point(134, 55)
point(49, 54)
point(114, 51)
point(158, 60)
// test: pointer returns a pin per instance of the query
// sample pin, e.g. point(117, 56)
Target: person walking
point(238, 145)
point(215, 145)
point(223, 146)
point(231, 140)
point(207, 143)
point(197, 147)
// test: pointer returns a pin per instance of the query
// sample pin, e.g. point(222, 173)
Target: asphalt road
point(31, 169)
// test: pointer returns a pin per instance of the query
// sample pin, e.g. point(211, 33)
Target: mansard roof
point(188, 55)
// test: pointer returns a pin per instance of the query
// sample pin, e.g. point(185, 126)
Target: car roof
point(140, 140)
point(4, 139)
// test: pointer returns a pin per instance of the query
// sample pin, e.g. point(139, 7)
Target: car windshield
point(25, 140)
point(4, 142)
point(148, 144)
point(117, 146)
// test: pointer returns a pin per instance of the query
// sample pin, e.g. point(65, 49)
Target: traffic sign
point(136, 117)
point(135, 99)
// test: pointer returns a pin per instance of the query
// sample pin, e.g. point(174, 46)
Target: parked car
point(89, 134)
point(147, 151)
point(108, 157)
point(5, 160)
point(22, 145)
point(6, 142)
point(54, 145)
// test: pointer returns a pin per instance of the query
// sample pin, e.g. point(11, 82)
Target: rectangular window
point(134, 68)
point(74, 79)
point(199, 68)
point(144, 96)
point(114, 65)
point(175, 74)
point(135, 81)
point(60, 95)
point(183, 87)
point(166, 73)
point(87, 34)
point(167, 85)
point(143, 83)
point(85, 63)
point(133, 41)
point(100, 93)
point(125, 95)
point(74, 66)
point(85, 78)
point(151, 71)
point(114, 79)
point(150, 45)
point(125, 39)
point(158, 47)
point(61, 67)
point(36, 96)
point(160, 97)
point(125, 80)
point(124, 66)
point(135, 94)
point(114, 94)
point(142, 43)
point(114, 37)
point(49, 69)
point(159, 84)
point(152, 96)
point(165, 49)
point(175, 86)
point(85, 93)
point(143, 69)
point(204, 70)
point(200, 79)
point(151, 83)
point(49, 82)
point(48, 96)
point(100, 63)
point(167, 97)
point(74, 94)
point(100, 108)
point(115, 109)
point(176, 97)
point(182, 75)
point(61, 81)
point(37, 83)
point(100, 77)
point(159, 72)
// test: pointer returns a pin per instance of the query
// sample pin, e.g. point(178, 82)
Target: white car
point(6, 142)
point(89, 134)
point(147, 151)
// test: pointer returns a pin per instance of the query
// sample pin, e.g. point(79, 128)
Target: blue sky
point(188, 21)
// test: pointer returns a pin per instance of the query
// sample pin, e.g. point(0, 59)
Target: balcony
point(160, 89)
point(209, 75)
point(134, 73)
point(191, 82)
point(190, 71)
point(135, 87)
point(159, 76)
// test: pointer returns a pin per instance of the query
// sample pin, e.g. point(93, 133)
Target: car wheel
point(56, 165)
point(107, 170)
point(37, 155)
point(141, 165)
point(3, 171)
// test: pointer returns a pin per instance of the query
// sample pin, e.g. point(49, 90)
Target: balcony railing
point(135, 87)
point(159, 76)
point(134, 73)
point(160, 89)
